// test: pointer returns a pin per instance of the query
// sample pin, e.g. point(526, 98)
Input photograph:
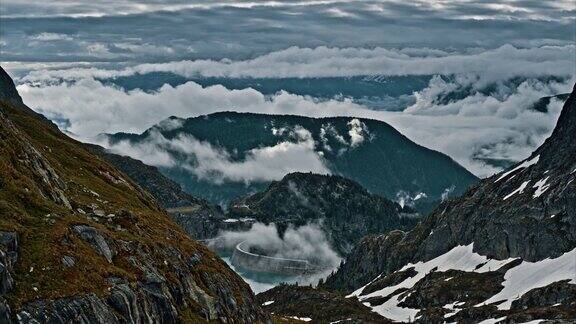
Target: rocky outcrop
point(80, 242)
point(96, 240)
point(558, 293)
point(8, 259)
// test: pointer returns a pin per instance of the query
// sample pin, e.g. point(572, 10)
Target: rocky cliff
point(343, 208)
point(505, 250)
point(80, 242)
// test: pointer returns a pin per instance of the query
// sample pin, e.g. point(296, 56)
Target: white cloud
point(120, 8)
point(307, 242)
point(217, 165)
point(148, 49)
point(489, 65)
point(357, 132)
point(169, 124)
point(495, 126)
point(99, 50)
point(49, 37)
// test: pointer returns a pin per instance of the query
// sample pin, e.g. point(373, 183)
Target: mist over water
point(306, 242)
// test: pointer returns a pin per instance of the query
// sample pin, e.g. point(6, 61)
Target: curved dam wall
point(261, 263)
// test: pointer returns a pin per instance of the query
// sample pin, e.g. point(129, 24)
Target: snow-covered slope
point(514, 277)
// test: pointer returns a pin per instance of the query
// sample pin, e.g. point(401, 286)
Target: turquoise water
point(260, 282)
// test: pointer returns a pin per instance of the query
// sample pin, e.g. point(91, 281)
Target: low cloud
point(358, 132)
point(491, 65)
point(50, 37)
point(218, 166)
point(307, 242)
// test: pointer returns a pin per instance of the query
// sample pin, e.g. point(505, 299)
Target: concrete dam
point(242, 257)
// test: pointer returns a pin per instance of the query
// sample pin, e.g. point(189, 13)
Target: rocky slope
point(316, 305)
point(198, 217)
point(343, 208)
point(513, 236)
point(80, 242)
point(208, 153)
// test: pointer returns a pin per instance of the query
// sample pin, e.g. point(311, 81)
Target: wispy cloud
point(217, 165)
point(490, 65)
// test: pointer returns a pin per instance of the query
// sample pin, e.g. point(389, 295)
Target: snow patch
point(529, 275)
point(266, 303)
point(492, 320)
point(391, 310)
point(304, 319)
point(459, 258)
point(520, 190)
point(524, 165)
point(541, 187)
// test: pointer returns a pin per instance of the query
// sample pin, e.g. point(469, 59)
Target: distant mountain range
point(204, 151)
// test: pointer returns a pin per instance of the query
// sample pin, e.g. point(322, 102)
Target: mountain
point(378, 92)
point(80, 242)
point(505, 250)
point(210, 155)
point(344, 209)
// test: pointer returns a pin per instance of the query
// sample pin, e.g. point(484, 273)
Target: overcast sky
point(58, 51)
point(157, 31)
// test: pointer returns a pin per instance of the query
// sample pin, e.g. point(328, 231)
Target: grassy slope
point(42, 245)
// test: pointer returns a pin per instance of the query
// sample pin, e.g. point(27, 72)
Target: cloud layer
point(490, 65)
point(121, 31)
point(217, 165)
point(497, 125)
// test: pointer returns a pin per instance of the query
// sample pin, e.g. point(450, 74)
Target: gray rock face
point(68, 261)
point(4, 311)
point(82, 309)
point(96, 240)
point(527, 212)
point(8, 259)
point(153, 299)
